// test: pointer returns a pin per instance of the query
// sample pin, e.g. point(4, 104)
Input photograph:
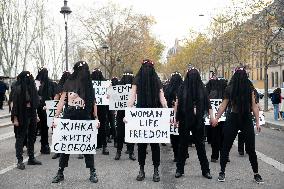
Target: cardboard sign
point(173, 129)
point(51, 106)
point(101, 88)
point(215, 103)
point(119, 96)
point(75, 136)
point(147, 125)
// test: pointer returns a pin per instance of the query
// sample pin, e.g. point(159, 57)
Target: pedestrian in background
point(276, 100)
point(3, 89)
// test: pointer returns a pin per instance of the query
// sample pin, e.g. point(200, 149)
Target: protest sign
point(119, 96)
point(261, 118)
point(215, 103)
point(147, 125)
point(101, 88)
point(75, 136)
point(51, 106)
point(173, 129)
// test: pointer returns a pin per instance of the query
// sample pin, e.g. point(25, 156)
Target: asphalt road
point(121, 174)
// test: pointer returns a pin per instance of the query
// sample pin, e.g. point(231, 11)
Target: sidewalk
point(5, 117)
point(271, 123)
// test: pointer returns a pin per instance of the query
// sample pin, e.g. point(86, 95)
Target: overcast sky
point(174, 17)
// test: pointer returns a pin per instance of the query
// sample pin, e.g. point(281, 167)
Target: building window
point(276, 79)
point(272, 79)
point(260, 73)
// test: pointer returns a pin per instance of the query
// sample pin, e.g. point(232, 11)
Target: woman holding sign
point(240, 100)
point(148, 88)
point(79, 94)
point(171, 94)
point(97, 75)
point(191, 108)
point(126, 79)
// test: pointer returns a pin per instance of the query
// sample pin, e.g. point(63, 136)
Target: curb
point(274, 126)
point(5, 116)
point(7, 124)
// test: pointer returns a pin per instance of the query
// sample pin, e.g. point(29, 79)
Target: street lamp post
point(65, 10)
point(105, 48)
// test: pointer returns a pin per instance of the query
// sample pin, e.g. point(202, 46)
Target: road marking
point(276, 164)
point(3, 171)
point(7, 135)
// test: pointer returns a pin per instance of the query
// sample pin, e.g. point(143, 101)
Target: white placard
point(101, 88)
point(75, 136)
point(261, 118)
point(51, 106)
point(119, 96)
point(173, 129)
point(215, 103)
point(147, 125)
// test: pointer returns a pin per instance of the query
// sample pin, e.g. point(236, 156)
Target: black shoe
point(80, 156)
point(93, 177)
point(207, 175)
point(214, 160)
point(105, 151)
point(21, 166)
point(242, 154)
point(156, 176)
point(221, 177)
point(58, 178)
point(179, 173)
point(132, 156)
point(45, 150)
point(118, 154)
point(55, 156)
point(258, 179)
point(33, 161)
point(140, 176)
point(109, 140)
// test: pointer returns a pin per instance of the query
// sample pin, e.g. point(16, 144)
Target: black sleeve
point(227, 92)
point(15, 100)
point(179, 113)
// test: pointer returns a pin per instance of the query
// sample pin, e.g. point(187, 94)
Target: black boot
point(105, 151)
point(156, 176)
point(132, 156)
point(33, 161)
point(59, 177)
point(93, 176)
point(55, 156)
point(45, 150)
point(141, 175)
point(179, 170)
point(21, 165)
point(118, 154)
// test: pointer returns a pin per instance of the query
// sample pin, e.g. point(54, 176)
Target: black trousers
point(241, 142)
point(43, 127)
point(155, 148)
point(2, 99)
point(175, 144)
point(26, 129)
point(111, 121)
point(197, 130)
point(102, 132)
point(234, 123)
point(216, 141)
point(121, 133)
point(76, 115)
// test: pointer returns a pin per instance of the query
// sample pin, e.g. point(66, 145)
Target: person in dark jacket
point(46, 92)
point(3, 89)
point(24, 116)
point(192, 106)
point(276, 100)
point(127, 78)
